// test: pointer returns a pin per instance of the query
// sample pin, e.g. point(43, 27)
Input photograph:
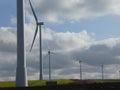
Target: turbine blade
point(33, 11)
point(53, 53)
point(50, 52)
point(34, 37)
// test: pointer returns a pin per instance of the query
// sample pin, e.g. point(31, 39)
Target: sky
point(86, 30)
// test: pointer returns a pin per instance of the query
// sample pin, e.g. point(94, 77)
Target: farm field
point(71, 84)
point(35, 83)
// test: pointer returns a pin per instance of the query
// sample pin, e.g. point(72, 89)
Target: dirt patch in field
point(76, 82)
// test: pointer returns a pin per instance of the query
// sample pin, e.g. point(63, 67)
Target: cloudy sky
point(86, 30)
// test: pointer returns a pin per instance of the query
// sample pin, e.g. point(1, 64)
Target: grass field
point(59, 82)
point(43, 82)
point(7, 84)
point(34, 83)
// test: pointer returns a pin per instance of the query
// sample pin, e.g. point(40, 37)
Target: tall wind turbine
point(38, 25)
point(21, 72)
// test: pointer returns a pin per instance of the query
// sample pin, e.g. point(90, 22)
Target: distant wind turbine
point(119, 74)
point(80, 63)
point(80, 69)
point(38, 25)
point(102, 67)
point(49, 54)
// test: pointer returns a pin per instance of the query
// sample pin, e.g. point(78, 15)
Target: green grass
point(7, 84)
point(34, 83)
point(43, 82)
point(59, 82)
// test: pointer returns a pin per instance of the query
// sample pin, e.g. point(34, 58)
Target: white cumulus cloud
point(60, 10)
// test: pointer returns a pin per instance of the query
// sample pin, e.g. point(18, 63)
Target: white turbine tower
point(80, 62)
point(49, 54)
point(21, 72)
point(38, 25)
point(102, 71)
point(119, 74)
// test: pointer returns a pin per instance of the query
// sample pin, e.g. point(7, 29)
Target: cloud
point(62, 40)
point(60, 10)
point(8, 39)
point(7, 53)
point(101, 52)
point(68, 47)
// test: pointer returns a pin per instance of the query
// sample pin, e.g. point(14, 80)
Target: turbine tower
point(49, 54)
point(21, 72)
point(80, 69)
point(38, 25)
point(119, 74)
point(102, 67)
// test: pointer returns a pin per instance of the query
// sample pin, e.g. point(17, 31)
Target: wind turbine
point(119, 74)
point(21, 71)
point(80, 69)
point(102, 67)
point(38, 25)
point(80, 63)
point(49, 54)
